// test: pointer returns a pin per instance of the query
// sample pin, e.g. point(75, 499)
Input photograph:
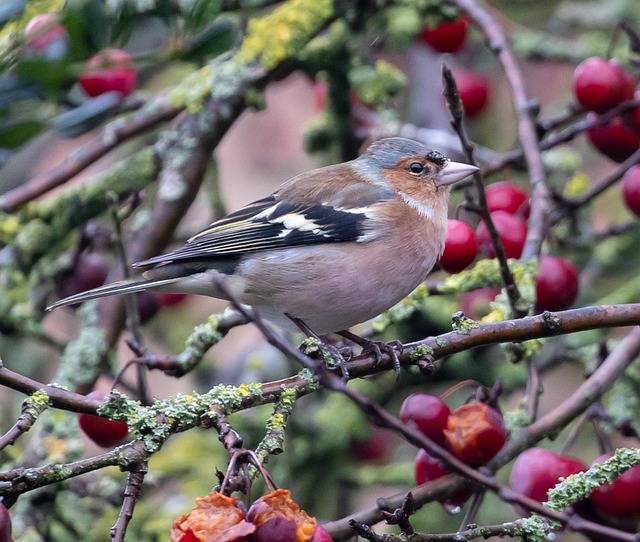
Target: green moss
point(535, 528)
point(45, 224)
point(579, 486)
point(403, 23)
point(9, 227)
point(420, 352)
point(220, 80)
point(376, 85)
point(462, 325)
point(486, 274)
point(81, 362)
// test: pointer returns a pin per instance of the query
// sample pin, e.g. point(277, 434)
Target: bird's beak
point(454, 172)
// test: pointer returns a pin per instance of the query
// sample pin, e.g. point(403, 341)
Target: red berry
point(505, 196)
point(446, 38)
point(631, 189)
point(5, 524)
point(321, 535)
point(376, 448)
point(475, 433)
point(103, 432)
point(556, 284)
point(428, 412)
point(148, 305)
point(537, 470)
point(45, 38)
point(428, 468)
point(614, 140)
point(620, 498)
point(460, 248)
point(628, 86)
point(89, 271)
point(631, 119)
point(110, 69)
point(512, 231)
point(171, 300)
point(319, 96)
point(474, 91)
point(600, 84)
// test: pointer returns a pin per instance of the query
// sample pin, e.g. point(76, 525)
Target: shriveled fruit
point(475, 433)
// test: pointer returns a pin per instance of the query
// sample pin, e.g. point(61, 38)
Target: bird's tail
point(126, 286)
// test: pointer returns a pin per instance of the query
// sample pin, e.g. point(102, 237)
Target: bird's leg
point(392, 349)
point(332, 350)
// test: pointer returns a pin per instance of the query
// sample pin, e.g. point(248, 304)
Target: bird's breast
point(333, 287)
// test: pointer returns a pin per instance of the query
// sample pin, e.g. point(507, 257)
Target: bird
point(329, 249)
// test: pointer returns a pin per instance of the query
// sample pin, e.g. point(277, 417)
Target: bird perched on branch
point(331, 247)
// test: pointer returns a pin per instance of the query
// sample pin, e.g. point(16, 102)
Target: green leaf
point(51, 75)
point(14, 135)
point(202, 12)
point(97, 24)
point(216, 39)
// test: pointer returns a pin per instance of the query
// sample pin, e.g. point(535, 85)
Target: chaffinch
point(332, 247)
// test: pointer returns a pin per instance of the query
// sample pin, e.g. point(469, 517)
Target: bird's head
point(413, 169)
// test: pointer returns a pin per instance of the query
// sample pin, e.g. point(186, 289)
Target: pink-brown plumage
point(332, 247)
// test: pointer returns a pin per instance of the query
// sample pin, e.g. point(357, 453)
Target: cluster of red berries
point(272, 518)
point(473, 87)
point(537, 470)
point(557, 281)
point(109, 70)
point(474, 433)
point(600, 85)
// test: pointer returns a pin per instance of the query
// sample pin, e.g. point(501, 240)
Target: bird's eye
point(416, 167)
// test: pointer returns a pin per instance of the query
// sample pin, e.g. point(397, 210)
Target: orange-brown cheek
point(419, 188)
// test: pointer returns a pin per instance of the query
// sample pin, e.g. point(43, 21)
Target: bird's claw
point(332, 356)
point(393, 349)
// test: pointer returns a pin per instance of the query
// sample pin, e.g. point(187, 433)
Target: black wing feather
point(269, 224)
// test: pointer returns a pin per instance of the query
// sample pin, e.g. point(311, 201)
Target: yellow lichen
point(578, 184)
point(282, 33)
point(9, 228)
point(193, 90)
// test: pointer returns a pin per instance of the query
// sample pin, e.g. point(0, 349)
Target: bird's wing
point(275, 222)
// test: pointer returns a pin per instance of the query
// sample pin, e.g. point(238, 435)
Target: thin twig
point(527, 134)
point(131, 306)
point(587, 197)
point(547, 324)
point(131, 495)
point(455, 107)
point(112, 135)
